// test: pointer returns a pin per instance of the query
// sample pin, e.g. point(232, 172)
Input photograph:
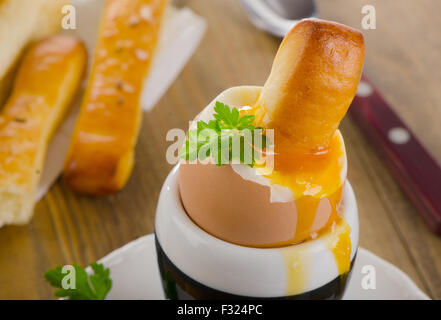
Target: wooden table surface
point(403, 60)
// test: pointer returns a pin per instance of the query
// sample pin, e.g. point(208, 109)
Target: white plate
point(135, 275)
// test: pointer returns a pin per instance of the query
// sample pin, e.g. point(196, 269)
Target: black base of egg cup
point(179, 286)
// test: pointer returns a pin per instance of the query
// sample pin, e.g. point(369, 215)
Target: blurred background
point(403, 60)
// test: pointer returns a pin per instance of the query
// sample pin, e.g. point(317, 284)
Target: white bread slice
point(47, 79)
point(22, 21)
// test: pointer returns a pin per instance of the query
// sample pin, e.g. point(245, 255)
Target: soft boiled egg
point(312, 83)
point(242, 205)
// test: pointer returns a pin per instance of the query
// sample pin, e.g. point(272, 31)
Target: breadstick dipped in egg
point(312, 83)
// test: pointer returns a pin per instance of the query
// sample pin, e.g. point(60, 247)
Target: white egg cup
point(195, 264)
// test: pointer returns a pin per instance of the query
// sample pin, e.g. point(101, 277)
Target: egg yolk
point(298, 262)
point(313, 176)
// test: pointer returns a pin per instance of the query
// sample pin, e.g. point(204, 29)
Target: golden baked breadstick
point(22, 21)
point(101, 153)
point(47, 79)
point(312, 83)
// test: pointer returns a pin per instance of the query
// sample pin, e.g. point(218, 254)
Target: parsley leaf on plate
point(87, 287)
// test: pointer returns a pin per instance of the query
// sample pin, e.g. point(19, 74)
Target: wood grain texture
point(402, 59)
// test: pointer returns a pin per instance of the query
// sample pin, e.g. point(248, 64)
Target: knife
point(411, 164)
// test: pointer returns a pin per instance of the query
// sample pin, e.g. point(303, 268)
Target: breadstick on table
point(46, 82)
point(23, 21)
point(101, 154)
point(312, 83)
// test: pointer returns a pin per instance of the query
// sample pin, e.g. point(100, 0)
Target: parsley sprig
point(220, 137)
point(87, 287)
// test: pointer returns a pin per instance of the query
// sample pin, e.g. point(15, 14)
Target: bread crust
point(312, 83)
point(46, 82)
point(101, 153)
point(21, 22)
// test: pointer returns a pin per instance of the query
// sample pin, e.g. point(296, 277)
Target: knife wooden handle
point(411, 164)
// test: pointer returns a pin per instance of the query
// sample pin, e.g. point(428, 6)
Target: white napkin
point(182, 32)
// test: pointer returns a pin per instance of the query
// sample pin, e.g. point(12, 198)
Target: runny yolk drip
point(307, 210)
point(312, 178)
point(340, 245)
point(298, 260)
point(310, 174)
point(307, 206)
point(297, 263)
point(334, 200)
point(316, 183)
